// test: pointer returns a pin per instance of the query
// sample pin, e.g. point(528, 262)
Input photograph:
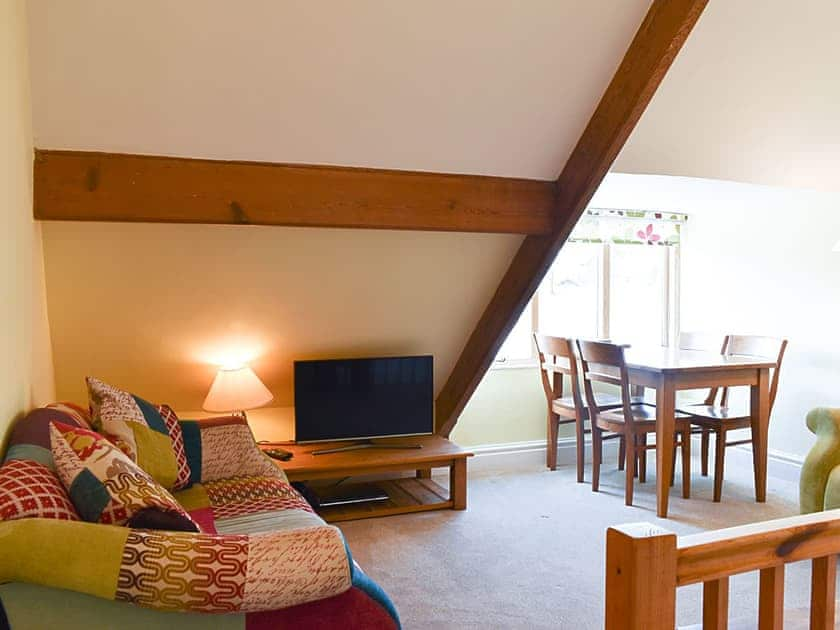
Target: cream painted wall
point(508, 406)
point(757, 260)
point(152, 308)
point(25, 362)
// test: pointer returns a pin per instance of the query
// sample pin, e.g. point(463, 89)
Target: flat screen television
point(357, 399)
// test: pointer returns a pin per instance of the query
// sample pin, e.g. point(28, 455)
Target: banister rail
point(646, 564)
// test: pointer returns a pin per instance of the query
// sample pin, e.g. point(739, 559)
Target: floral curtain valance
point(628, 227)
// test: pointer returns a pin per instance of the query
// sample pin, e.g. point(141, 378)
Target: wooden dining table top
point(670, 359)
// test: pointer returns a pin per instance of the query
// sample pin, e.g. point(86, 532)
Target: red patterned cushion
point(106, 486)
point(30, 489)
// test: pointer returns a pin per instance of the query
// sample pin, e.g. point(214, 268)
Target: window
point(616, 277)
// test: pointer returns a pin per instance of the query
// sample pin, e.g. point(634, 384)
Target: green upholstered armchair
point(819, 483)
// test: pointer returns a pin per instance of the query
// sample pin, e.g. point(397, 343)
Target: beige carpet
point(529, 551)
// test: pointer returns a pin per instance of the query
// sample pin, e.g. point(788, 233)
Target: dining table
point(668, 370)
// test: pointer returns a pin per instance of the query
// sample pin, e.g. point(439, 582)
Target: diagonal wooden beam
point(82, 186)
point(654, 47)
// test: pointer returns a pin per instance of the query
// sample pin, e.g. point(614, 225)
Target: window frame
point(671, 288)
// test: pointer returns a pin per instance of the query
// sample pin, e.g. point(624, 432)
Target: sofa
point(819, 482)
point(261, 558)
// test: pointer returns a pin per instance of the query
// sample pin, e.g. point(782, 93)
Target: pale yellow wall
point(151, 307)
point(508, 406)
point(25, 363)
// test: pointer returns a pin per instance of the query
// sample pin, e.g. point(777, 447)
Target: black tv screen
point(342, 399)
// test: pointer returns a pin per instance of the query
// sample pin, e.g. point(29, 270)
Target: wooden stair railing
point(646, 564)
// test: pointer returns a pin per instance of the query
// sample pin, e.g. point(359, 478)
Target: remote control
point(278, 453)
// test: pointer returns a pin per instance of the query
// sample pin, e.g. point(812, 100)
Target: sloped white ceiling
point(475, 86)
point(754, 96)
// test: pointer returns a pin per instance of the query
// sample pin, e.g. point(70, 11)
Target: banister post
point(641, 578)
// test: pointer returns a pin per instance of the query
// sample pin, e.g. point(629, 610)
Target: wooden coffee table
point(406, 494)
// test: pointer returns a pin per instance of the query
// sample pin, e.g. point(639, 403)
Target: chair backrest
point(557, 358)
point(758, 346)
point(704, 342)
point(604, 363)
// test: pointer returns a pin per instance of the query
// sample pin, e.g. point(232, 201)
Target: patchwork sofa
point(263, 559)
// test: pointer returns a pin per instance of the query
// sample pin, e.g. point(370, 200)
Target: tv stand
point(355, 446)
point(388, 463)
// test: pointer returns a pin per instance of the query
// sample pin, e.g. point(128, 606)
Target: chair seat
point(716, 412)
point(643, 414)
point(604, 401)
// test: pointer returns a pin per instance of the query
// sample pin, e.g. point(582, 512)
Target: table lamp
point(235, 390)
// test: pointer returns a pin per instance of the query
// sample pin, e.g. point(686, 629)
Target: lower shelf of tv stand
point(405, 495)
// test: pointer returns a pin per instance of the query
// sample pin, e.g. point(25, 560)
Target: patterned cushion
point(149, 434)
point(30, 489)
point(107, 487)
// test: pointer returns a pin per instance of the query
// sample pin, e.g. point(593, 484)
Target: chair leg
point(629, 469)
point(551, 442)
point(596, 457)
point(636, 456)
point(643, 458)
point(674, 461)
point(621, 447)
point(704, 452)
point(686, 464)
point(720, 449)
point(580, 447)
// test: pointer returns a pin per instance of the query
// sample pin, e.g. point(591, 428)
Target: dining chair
point(604, 363)
point(704, 342)
point(558, 360)
point(720, 418)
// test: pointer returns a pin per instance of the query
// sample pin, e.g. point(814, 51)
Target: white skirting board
point(524, 456)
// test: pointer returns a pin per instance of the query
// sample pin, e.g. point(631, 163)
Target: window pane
point(568, 298)
point(637, 293)
point(518, 345)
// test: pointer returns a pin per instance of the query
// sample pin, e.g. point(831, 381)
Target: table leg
point(760, 421)
point(665, 408)
point(458, 484)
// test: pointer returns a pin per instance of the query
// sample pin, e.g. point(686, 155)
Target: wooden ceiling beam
point(654, 47)
point(83, 186)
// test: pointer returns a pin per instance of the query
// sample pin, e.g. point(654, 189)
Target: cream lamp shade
point(836, 247)
point(237, 389)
